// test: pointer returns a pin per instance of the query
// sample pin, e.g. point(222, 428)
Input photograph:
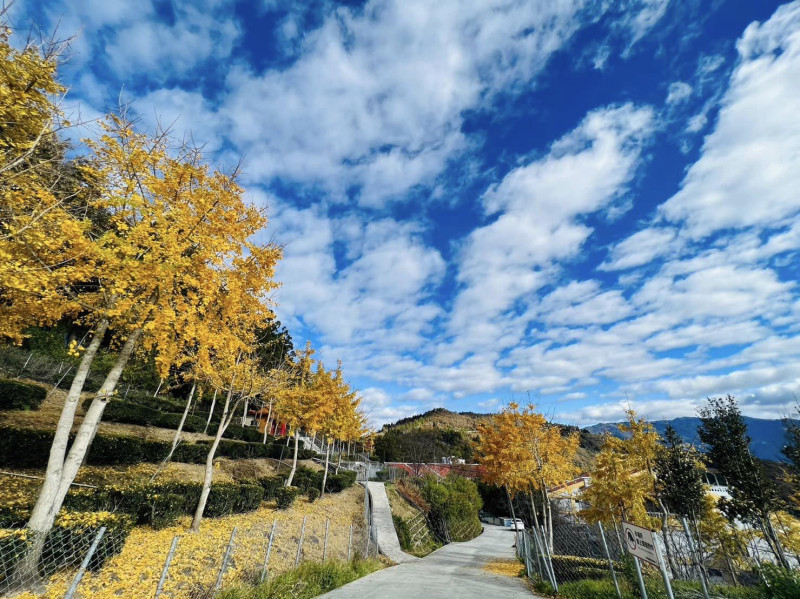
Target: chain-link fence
point(99, 561)
point(579, 559)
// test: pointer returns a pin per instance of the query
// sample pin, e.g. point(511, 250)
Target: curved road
point(454, 571)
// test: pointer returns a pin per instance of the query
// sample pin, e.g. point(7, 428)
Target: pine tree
point(754, 497)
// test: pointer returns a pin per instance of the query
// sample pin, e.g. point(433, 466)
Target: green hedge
point(29, 448)
point(20, 396)
point(145, 410)
point(161, 504)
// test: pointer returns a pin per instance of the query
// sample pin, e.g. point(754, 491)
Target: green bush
point(570, 567)
point(29, 448)
point(20, 396)
point(312, 494)
point(403, 532)
point(305, 478)
point(251, 494)
point(222, 500)
point(70, 538)
point(271, 484)
point(339, 482)
point(285, 496)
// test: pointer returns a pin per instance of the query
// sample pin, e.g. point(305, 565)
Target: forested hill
point(767, 435)
point(440, 418)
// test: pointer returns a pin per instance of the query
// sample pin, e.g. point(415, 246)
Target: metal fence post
point(664, 573)
point(269, 551)
point(165, 569)
point(638, 568)
point(349, 542)
point(610, 561)
point(300, 543)
point(696, 557)
point(85, 564)
point(225, 559)
point(325, 542)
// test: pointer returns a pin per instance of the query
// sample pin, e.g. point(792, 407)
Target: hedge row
point(161, 504)
point(29, 448)
point(163, 413)
point(20, 396)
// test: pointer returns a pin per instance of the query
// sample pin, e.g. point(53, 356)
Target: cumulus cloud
point(746, 175)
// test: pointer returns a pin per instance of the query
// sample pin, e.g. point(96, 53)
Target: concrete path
point(453, 572)
point(388, 543)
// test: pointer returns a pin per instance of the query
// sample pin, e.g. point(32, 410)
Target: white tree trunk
point(294, 463)
point(58, 450)
point(266, 424)
point(177, 438)
point(211, 412)
point(209, 471)
point(91, 421)
point(325, 474)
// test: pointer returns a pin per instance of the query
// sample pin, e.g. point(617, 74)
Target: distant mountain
point(768, 436)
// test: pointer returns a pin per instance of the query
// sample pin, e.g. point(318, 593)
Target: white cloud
point(641, 248)
point(747, 174)
point(375, 99)
point(678, 92)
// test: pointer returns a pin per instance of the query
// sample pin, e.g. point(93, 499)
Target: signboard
point(640, 542)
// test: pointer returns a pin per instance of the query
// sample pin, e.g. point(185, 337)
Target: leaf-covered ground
point(136, 570)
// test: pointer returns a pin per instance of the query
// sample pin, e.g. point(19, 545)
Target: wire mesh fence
point(98, 562)
point(576, 556)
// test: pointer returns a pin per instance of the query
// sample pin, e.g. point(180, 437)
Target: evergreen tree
point(754, 497)
point(679, 477)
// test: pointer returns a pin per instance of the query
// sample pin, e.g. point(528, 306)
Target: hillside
point(767, 436)
point(440, 418)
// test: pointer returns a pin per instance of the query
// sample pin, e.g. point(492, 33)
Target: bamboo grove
point(140, 241)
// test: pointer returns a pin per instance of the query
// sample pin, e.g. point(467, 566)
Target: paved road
point(384, 525)
point(453, 572)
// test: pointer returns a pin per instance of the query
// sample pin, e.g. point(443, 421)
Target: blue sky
point(591, 204)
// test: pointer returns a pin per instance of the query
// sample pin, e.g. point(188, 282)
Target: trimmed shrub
point(312, 494)
point(306, 478)
point(72, 533)
point(285, 496)
point(271, 485)
point(339, 482)
point(24, 448)
point(29, 448)
point(20, 396)
point(222, 500)
point(251, 494)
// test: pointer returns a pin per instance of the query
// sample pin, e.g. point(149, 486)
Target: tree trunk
point(513, 518)
point(176, 439)
point(244, 412)
point(339, 463)
point(91, 421)
point(266, 424)
point(325, 474)
point(667, 541)
point(774, 542)
point(58, 450)
point(294, 463)
point(209, 471)
point(211, 412)
point(160, 382)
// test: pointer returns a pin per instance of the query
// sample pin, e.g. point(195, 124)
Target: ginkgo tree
point(525, 454)
point(174, 247)
point(301, 404)
point(623, 480)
